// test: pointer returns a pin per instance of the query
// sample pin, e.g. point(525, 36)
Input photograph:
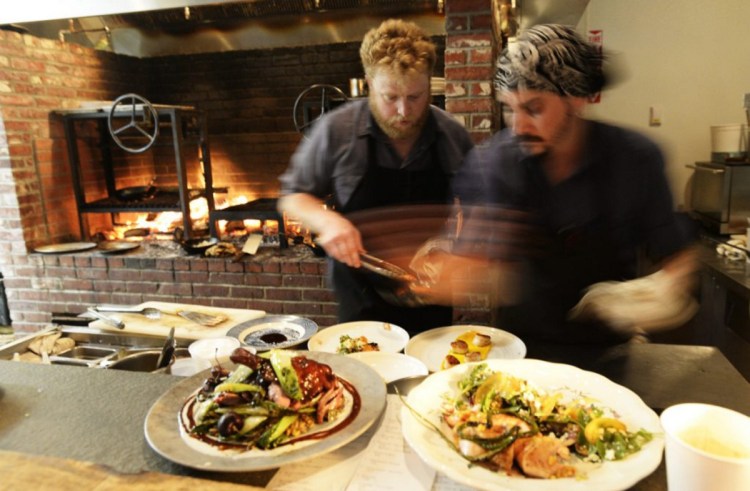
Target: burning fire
point(164, 223)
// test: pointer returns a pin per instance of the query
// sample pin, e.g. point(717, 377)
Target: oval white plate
point(390, 337)
point(432, 346)
point(610, 476)
point(391, 366)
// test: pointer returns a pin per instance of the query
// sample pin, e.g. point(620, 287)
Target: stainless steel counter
point(724, 317)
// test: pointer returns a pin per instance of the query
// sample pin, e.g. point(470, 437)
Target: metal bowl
point(196, 246)
point(144, 361)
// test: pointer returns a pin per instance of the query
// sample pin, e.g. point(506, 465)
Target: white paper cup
point(213, 350)
point(707, 448)
point(728, 141)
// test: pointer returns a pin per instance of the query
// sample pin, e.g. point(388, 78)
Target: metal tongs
point(384, 268)
point(109, 320)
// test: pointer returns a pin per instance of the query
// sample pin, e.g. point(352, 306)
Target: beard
point(537, 145)
point(393, 127)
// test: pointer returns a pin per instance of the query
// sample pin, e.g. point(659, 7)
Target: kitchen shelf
point(188, 130)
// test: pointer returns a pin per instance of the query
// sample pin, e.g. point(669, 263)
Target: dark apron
point(574, 258)
point(355, 289)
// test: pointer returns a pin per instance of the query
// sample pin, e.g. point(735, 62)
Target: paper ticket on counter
point(378, 460)
point(389, 463)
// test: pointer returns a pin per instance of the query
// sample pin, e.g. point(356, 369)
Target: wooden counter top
point(22, 471)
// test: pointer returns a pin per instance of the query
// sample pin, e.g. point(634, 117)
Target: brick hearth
point(278, 282)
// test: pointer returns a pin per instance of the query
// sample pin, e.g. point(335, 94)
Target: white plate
point(390, 337)
point(432, 346)
point(391, 366)
point(610, 476)
point(274, 332)
point(164, 435)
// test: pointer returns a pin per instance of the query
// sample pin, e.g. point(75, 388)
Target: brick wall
point(274, 283)
point(249, 97)
point(37, 77)
point(469, 54)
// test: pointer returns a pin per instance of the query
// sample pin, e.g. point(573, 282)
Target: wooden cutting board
point(184, 328)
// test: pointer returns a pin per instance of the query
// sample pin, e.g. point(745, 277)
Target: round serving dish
point(274, 332)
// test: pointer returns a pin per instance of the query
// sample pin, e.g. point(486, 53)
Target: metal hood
point(147, 28)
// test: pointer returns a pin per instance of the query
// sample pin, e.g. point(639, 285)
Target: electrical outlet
point(654, 116)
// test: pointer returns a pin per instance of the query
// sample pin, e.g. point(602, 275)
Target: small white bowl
point(185, 367)
point(213, 350)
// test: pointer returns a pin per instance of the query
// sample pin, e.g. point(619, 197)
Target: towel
point(652, 303)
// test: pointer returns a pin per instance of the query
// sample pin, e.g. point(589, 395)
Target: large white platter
point(610, 476)
point(432, 346)
point(164, 435)
point(390, 337)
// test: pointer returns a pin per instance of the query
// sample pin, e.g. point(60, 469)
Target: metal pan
point(384, 268)
point(136, 193)
point(392, 283)
point(66, 247)
point(117, 246)
point(200, 245)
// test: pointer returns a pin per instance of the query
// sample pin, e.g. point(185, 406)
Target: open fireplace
point(148, 169)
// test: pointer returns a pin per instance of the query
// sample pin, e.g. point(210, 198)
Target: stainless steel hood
point(170, 27)
point(147, 28)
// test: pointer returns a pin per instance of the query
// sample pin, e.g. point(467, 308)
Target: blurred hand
point(335, 234)
point(340, 239)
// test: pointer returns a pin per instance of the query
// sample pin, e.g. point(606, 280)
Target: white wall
point(691, 58)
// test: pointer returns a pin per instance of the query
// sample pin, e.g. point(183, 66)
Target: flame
point(165, 222)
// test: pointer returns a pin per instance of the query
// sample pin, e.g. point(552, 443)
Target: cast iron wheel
point(319, 97)
point(149, 119)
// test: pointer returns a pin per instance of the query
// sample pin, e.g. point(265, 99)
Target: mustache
point(528, 139)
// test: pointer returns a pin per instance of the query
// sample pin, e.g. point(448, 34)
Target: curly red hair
point(400, 46)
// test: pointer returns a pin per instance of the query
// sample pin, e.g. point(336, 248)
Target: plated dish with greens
point(532, 425)
point(265, 410)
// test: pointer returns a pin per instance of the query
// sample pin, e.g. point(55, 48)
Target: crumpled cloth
point(428, 261)
point(648, 304)
point(732, 253)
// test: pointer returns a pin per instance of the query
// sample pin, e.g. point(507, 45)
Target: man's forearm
point(306, 208)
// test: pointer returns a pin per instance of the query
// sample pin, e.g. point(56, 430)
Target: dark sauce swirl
point(187, 426)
